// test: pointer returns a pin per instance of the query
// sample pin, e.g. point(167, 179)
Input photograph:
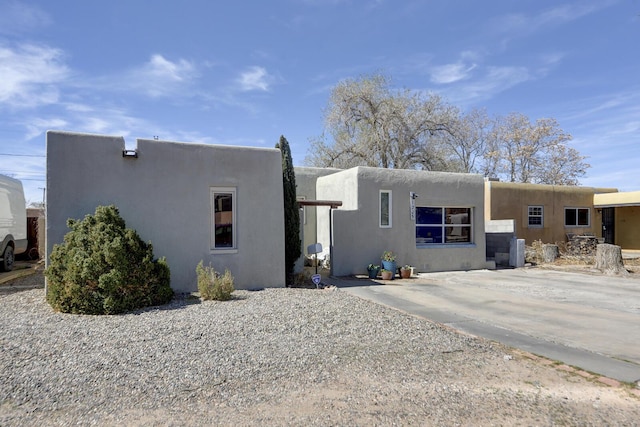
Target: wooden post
point(609, 259)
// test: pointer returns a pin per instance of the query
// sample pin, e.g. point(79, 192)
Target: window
point(436, 225)
point(385, 209)
point(536, 219)
point(223, 231)
point(577, 217)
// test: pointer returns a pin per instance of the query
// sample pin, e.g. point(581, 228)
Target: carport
point(332, 204)
point(620, 218)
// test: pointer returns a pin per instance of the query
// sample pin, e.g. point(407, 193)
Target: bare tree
point(372, 125)
point(369, 124)
point(467, 142)
point(538, 153)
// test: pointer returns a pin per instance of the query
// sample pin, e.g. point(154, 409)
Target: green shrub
point(212, 285)
point(105, 268)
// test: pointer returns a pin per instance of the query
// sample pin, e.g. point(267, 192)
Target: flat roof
point(612, 200)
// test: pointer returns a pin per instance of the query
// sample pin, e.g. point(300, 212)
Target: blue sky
point(245, 72)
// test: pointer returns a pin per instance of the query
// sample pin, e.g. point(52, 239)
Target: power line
point(22, 155)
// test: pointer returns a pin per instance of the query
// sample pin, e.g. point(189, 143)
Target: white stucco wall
point(306, 178)
point(358, 238)
point(165, 195)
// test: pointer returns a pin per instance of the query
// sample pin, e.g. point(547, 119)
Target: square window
point(577, 217)
point(438, 225)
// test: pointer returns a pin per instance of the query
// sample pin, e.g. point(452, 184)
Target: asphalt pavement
point(589, 321)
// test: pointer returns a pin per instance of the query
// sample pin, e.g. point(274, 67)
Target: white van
point(13, 221)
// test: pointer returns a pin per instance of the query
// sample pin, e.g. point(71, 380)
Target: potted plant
point(405, 271)
point(373, 270)
point(389, 261)
point(386, 274)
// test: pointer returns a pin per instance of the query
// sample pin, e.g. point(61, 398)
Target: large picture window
point(385, 213)
point(536, 219)
point(438, 225)
point(223, 227)
point(577, 217)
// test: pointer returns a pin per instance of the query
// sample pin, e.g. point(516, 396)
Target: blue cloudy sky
point(245, 72)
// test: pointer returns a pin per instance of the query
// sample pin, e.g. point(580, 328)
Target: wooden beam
point(333, 204)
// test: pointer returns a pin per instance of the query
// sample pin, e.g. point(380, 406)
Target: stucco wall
point(165, 195)
point(508, 200)
point(358, 238)
point(627, 223)
point(306, 178)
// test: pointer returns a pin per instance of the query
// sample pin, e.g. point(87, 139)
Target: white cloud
point(255, 78)
point(30, 75)
point(160, 77)
point(36, 127)
point(451, 73)
point(490, 81)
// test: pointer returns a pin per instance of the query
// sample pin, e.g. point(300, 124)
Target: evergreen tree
point(291, 210)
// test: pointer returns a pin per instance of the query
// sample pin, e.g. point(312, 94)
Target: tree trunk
point(609, 259)
point(549, 253)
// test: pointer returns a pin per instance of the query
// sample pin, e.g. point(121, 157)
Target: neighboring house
point(620, 218)
point(544, 212)
point(433, 221)
point(219, 204)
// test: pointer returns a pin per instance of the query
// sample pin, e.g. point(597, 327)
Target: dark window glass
point(223, 220)
point(428, 235)
point(428, 215)
point(583, 217)
point(570, 217)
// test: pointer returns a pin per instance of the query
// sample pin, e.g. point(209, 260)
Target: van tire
point(7, 259)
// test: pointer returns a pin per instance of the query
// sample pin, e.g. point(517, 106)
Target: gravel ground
point(276, 357)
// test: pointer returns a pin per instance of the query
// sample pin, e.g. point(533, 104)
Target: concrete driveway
point(586, 320)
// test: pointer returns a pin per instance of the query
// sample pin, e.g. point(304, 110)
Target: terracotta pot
point(387, 275)
point(405, 273)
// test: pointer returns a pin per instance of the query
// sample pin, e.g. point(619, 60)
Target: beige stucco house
point(545, 212)
point(219, 204)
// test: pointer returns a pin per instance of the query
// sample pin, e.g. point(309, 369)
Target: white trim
point(234, 222)
point(541, 216)
point(390, 206)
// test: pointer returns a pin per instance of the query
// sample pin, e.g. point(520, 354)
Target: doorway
point(608, 225)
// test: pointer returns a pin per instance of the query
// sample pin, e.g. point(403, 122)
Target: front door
point(608, 225)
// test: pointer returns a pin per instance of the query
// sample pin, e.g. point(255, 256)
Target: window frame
point(443, 225)
point(213, 191)
point(389, 207)
point(530, 216)
point(577, 216)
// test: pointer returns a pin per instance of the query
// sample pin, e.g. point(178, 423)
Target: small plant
point(406, 267)
point(386, 274)
point(372, 267)
point(388, 256)
point(212, 285)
